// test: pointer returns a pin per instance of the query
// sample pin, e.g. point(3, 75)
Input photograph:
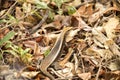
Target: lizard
point(51, 57)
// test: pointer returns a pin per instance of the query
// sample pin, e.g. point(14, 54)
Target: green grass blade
point(7, 37)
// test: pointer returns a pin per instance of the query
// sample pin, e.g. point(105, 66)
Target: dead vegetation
point(59, 39)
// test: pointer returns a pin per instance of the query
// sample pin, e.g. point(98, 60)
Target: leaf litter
point(29, 30)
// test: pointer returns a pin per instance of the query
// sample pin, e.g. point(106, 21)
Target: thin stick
point(100, 66)
point(24, 39)
point(34, 29)
point(9, 10)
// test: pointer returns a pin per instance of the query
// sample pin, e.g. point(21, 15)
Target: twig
point(34, 29)
point(57, 73)
point(76, 62)
point(100, 66)
point(9, 10)
point(24, 39)
point(82, 64)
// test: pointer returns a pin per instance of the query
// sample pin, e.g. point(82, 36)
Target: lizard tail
point(45, 72)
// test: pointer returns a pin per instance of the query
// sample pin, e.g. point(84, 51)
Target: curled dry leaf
point(110, 26)
point(67, 71)
point(99, 36)
point(71, 35)
point(113, 47)
point(114, 66)
point(29, 75)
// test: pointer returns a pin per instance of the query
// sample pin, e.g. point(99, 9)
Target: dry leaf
point(115, 75)
point(102, 41)
point(110, 26)
point(29, 75)
point(85, 76)
point(75, 3)
point(67, 71)
point(27, 8)
point(2, 12)
point(84, 11)
point(18, 13)
point(71, 35)
point(99, 36)
point(37, 50)
point(78, 22)
point(66, 58)
point(113, 47)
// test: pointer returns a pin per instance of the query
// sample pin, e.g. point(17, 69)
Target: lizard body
point(50, 58)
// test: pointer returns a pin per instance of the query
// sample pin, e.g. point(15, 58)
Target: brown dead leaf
point(115, 75)
point(80, 11)
point(78, 22)
point(85, 76)
point(84, 11)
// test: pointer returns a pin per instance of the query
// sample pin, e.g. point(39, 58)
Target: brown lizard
point(48, 60)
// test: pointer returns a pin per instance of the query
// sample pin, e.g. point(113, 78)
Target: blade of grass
point(7, 37)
